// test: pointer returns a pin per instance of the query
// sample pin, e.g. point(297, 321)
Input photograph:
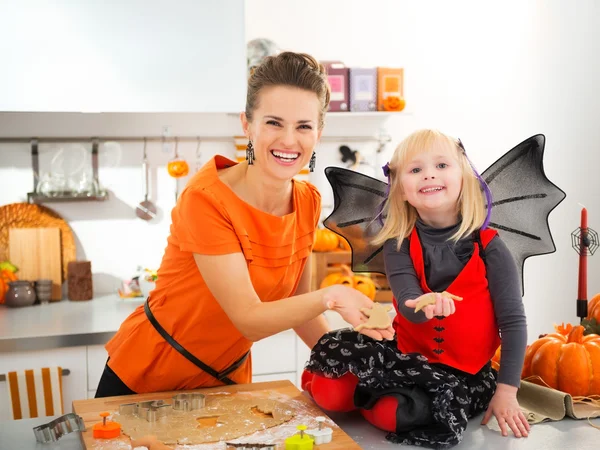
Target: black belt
point(221, 376)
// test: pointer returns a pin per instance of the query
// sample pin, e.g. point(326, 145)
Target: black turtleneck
point(444, 259)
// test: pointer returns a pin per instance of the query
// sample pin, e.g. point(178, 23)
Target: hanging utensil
point(198, 156)
point(146, 210)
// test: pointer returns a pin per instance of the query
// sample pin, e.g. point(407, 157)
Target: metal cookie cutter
point(188, 402)
point(53, 431)
point(151, 410)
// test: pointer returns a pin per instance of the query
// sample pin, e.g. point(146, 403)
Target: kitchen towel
point(35, 393)
point(544, 404)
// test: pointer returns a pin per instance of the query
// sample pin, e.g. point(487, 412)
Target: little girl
point(424, 385)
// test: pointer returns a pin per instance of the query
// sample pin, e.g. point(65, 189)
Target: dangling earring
point(250, 153)
point(313, 161)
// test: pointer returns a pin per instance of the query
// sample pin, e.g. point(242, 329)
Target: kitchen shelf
point(61, 197)
point(337, 114)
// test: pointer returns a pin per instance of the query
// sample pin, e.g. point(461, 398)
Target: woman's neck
point(268, 195)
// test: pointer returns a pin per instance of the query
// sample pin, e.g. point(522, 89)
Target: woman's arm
point(314, 329)
point(228, 280)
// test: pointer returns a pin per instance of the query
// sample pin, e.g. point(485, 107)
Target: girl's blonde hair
point(400, 216)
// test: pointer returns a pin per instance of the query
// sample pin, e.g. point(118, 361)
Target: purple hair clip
point(386, 170)
point(484, 186)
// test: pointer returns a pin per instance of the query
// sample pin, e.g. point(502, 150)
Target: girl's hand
point(505, 407)
point(347, 302)
point(443, 306)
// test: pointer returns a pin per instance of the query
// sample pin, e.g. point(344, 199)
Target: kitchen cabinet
point(133, 56)
point(72, 358)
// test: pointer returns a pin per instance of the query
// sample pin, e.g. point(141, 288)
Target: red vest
point(465, 340)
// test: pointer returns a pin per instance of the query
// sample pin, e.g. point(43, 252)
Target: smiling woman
point(237, 264)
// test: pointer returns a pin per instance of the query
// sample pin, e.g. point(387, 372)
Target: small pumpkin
point(344, 245)
point(344, 276)
point(394, 103)
point(178, 168)
point(567, 363)
point(594, 308)
point(6, 276)
point(496, 359)
point(325, 240)
point(365, 285)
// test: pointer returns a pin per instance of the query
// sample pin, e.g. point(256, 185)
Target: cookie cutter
point(321, 434)
point(54, 430)
point(188, 401)
point(151, 410)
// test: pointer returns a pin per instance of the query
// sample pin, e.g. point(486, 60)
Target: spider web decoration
point(584, 242)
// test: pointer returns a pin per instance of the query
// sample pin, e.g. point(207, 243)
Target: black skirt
point(454, 396)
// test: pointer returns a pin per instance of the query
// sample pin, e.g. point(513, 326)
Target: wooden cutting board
point(90, 410)
point(37, 254)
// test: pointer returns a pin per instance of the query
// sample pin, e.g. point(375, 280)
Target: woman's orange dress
point(211, 219)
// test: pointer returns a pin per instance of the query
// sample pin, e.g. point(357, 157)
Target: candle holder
point(584, 241)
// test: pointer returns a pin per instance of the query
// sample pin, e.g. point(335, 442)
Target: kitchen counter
point(73, 323)
point(64, 323)
point(564, 435)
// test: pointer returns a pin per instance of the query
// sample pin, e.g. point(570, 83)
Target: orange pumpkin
point(496, 359)
point(563, 329)
point(594, 308)
point(344, 245)
point(394, 103)
point(567, 363)
point(3, 290)
point(365, 285)
point(6, 276)
point(344, 276)
point(325, 240)
point(178, 168)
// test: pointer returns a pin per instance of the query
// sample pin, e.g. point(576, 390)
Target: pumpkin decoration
point(496, 359)
point(394, 103)
point(178, 168)
point(365, 285)
point(344, 245)
point(7, 274)
point(594, 308)
point(567, 363)
point(325, 240)
point(345, 276)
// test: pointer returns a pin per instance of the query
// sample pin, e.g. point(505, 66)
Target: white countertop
point(72, 323)
point(64, 323)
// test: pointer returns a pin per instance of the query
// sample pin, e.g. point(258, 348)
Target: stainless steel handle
point(65, 372)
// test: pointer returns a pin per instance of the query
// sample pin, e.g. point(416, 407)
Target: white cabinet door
point(96, 360)
point(275, 354)
point(72, 358)
point(129, 56)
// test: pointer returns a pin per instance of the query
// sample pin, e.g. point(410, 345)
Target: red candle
point(582, 286)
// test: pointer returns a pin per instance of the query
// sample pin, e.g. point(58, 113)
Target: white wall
point(491, 74)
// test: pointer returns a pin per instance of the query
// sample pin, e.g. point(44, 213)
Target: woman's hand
point(347, 302)
point(443, 306)
point(505, 407)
